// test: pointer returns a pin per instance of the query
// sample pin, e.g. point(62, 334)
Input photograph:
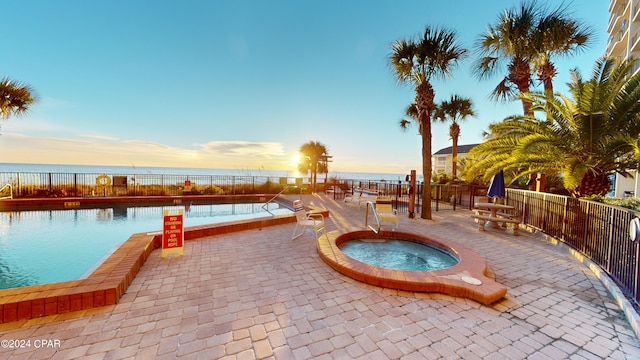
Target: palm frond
point(15, 98)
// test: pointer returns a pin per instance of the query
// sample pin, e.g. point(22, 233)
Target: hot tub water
point(398, 254)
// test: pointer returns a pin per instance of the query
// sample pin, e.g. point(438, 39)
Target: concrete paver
point(258, 294)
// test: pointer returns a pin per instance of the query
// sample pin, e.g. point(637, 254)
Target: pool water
point(41, 247)
point(398, 254)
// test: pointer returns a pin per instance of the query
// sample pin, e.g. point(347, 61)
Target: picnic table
point(498, 213)
point(494, 208)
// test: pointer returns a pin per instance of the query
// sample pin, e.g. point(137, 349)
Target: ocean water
point(132, 170)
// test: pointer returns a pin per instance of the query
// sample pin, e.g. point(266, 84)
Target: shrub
point(632, 203)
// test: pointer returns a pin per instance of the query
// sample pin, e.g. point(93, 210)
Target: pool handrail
point(266, 204)
point(371, 205)
point(10, 191)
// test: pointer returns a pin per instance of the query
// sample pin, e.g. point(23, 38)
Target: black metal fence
point(38, 185)
point(598, 231)
point(26, 185)
point(443, 197)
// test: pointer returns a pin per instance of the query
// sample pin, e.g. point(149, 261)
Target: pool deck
point(258, 294)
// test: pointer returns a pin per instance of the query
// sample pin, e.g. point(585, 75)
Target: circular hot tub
point(398, 253)
point(464, 277)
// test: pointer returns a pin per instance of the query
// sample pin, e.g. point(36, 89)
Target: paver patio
point(258, 294)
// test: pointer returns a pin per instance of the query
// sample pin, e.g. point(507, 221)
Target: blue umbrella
point(496, 188)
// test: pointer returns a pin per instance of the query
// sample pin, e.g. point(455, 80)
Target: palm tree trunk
point(546, 73)
point(424, 102)
point(426, 171)
point(454, 132)
point(315, 179)
point(520, 75)
point(593, 184)
point(454, 154)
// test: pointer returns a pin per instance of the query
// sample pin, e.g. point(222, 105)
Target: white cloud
point(31, 125)
point(100, 137)
point(53, 103)
point(244, 148)
point(105, 150)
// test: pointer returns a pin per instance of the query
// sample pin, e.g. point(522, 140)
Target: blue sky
point(239, 84)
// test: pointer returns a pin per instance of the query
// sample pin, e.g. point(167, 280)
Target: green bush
point(632, 203)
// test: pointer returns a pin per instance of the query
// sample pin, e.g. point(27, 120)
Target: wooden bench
point(511, 224)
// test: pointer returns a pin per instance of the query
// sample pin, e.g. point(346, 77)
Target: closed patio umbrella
point(497, 188)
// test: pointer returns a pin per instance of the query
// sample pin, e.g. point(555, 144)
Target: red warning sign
point(173, 232)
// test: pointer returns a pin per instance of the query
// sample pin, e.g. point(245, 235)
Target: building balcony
point(617, 17)
point(618, 46)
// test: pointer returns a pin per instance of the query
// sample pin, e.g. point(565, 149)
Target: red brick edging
point(448, 281)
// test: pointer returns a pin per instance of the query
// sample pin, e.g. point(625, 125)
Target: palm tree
point(15, 98)
point(556, 34)
point(455, 109)
point(508, 43)
point(586, 138)
point(314, 155)
point(417, 62)
point(525, 38)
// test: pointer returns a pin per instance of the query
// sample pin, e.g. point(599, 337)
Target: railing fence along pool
point(27, 184)
point(51, 184)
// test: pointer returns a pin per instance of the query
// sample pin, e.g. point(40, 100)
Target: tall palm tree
point(587, 136)
point(556, 34)
point(418, 62)
point(455, 109)
point(508, 44)
point(15, 98)
point(314, 159)
point(524, 39)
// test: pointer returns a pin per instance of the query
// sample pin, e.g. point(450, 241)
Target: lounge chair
point(304, 220)
point(386, 213)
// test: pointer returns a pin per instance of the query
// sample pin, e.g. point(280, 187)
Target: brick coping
point(459, 280)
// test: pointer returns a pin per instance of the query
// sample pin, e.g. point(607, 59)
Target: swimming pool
point(41, 247)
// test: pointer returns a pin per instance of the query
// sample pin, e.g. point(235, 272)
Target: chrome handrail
point(265, 205)
point(371, 205)
point(10, 191)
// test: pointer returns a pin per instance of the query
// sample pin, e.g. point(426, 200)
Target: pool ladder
point(10, 191)
point(265, 206)
point(371, 205)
